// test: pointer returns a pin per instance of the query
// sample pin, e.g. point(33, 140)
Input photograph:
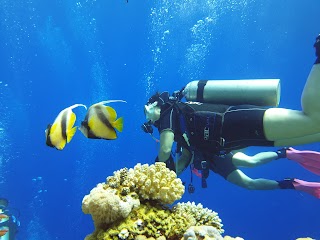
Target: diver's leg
point(237, 177)
point(280, 123)
point(242, 160)
point(310, 95)
point(297, 141)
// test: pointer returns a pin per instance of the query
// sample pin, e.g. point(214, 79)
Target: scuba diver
point(208, 134)
point(9, 223)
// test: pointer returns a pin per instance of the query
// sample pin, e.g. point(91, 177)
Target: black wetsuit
point(214, 130)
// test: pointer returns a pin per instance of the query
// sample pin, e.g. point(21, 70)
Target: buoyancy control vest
point(202, 123)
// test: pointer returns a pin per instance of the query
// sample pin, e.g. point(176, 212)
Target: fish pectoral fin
point(118, 124)
point(71, 133)
point(112, 113)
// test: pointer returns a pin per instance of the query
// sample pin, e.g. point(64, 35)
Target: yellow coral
point(150, 221)
point(155, 182)
point(117, 213)
point(158, 183)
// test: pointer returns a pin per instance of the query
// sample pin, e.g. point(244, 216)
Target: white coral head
point(124, 234)
point(140, 224)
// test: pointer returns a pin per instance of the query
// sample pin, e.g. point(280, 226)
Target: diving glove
point(282, 153)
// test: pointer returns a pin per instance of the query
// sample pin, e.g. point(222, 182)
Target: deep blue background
point(57, 53)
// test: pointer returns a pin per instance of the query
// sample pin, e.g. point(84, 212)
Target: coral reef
point(154, 220)
point(202, 216)
point(115, 199)
point(202, 232)
point(132, 204)
point(155, 182)
point(105, 206)
point(231, 238)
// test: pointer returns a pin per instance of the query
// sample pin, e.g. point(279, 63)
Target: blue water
point(57, 53)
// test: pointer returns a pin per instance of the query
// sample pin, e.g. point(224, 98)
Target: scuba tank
point(260, 92)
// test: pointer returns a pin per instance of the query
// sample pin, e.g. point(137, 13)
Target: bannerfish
point(3, 218)
point(3, 231)
point(61, 131)
point(101, 121)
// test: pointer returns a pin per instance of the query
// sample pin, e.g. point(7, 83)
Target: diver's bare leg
point(282, 123)
point(297, 141)
point(242, 160)
point(237, 177)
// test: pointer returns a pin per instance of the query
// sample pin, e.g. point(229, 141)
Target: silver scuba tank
point(260, 92)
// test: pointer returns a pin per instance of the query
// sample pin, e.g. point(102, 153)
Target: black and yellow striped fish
point(101, 121)
point(62, 131)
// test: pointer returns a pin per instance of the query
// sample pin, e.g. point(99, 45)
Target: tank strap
point(184, 131)
point(200, 90)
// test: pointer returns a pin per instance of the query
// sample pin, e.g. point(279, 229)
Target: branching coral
point(202, 232)
point(202, 216)
point(157, 182)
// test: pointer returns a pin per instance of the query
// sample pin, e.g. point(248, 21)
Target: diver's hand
point(317, 47)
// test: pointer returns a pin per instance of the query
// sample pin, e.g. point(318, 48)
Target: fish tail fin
point(109, 101)
point(118, 124)
point(71, 133)
point(77, 105)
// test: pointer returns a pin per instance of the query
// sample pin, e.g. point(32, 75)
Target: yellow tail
point(118, 124)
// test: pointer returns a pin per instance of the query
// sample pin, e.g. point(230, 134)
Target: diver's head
point(152, 109)
point(161, 99)
point(152, 112)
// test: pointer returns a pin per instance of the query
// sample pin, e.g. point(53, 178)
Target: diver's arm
point(183, 161)
point(166, 142)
